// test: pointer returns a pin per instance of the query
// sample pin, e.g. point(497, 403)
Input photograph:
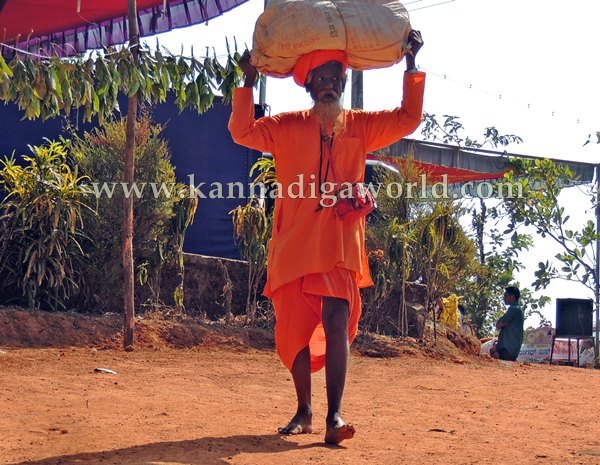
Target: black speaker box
point(574, 317)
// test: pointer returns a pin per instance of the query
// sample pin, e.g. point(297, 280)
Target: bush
point(417, 251)
point(41, 256)
point(160, 220)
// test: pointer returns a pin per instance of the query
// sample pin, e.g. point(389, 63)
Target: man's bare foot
point(300, 424)
point(338, 430)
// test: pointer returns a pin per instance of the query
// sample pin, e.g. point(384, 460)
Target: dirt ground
point(218, 404)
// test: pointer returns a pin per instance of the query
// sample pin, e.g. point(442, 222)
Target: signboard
point(537, 347)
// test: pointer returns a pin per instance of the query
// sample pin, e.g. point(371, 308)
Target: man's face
point(509, 298)
point(327, 82)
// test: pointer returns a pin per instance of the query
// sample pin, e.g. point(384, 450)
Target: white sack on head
point(373, 33)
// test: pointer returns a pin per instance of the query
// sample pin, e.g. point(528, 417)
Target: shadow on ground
point(205, 451)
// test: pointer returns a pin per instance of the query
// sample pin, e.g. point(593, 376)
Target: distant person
point(465, 324)
point(587, 354)
point(511, 327)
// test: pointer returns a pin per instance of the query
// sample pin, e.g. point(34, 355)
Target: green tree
point(539, 206)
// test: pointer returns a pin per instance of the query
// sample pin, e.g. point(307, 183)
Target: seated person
point(465, 324)
point(587, 354)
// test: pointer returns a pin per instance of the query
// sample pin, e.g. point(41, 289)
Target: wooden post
point(127, 225)
point(597, 265)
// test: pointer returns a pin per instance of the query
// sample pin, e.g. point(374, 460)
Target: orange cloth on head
point(305, 240)
point(306, 63)
point(298, 312)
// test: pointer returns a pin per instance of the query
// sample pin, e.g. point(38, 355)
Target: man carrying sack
point(316, 258)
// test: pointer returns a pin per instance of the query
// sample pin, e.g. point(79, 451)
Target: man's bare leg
point(335, 323)
point(302, 421)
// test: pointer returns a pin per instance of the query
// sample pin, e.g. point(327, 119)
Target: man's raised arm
point(383, 128)
point(244, 129)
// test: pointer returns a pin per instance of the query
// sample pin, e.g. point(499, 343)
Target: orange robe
point(314, 253)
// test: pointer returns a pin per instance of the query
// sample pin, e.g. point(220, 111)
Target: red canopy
point(464, 164)
point(76, 25)
point(435, 172)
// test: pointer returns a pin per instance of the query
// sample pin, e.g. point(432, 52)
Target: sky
point(527, 67)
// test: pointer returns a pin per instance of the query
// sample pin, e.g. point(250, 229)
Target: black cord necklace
point(329, 140)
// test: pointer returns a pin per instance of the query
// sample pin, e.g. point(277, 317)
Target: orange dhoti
point(298, 311)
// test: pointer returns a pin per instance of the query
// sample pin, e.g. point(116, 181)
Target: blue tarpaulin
point(200, 145)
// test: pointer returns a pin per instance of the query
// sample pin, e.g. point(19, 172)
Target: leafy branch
point(449, 132)
point(541, 182)
point(590, 141)
point(45, 88)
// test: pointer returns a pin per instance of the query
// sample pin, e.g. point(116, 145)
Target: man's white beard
point(330, 116)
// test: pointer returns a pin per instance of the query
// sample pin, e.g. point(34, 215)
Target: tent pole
point(127, 223)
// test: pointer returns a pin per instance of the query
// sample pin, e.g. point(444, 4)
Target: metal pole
point(262, 91)
point(597, 283)
point(357, 90)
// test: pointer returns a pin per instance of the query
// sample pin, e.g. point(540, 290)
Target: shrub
point(160, 220)
point(414, 245)
point(41, 256)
